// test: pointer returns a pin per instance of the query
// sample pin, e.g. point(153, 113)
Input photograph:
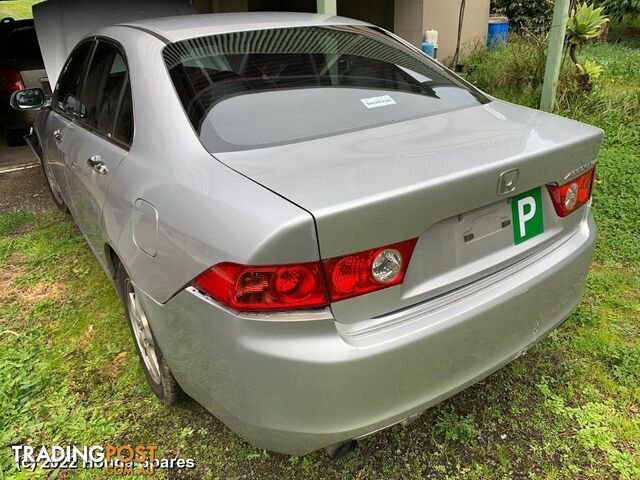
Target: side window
point(102, 94)
point(68, 89)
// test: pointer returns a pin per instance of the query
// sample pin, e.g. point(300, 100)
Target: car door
point(64, 104)
point(97, 141)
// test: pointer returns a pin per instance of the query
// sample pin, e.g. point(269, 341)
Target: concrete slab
point(25, 190)
point(11, 157)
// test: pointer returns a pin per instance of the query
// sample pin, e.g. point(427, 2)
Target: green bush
point(517, 68)
point(526, 16)
point(617, 9)
point(584, 25)
point(515, 72)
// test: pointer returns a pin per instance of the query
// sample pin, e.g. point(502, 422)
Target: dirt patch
point(29, 294)
point(11, 271)
point(39, 291)
point(25, 190)
point(112, 370)
point(32, 293)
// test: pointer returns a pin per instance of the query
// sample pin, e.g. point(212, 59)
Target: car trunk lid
point(61, 24)
point(436, 179)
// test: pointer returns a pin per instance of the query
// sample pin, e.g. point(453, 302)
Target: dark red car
point(21, 66)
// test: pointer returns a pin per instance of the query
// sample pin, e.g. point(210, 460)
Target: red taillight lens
point(10, 80)
point(368, 271)
point(279, 287)
point(305, 285)
point(569, 197)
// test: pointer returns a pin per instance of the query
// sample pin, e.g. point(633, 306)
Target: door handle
point(57, 136)
point(98, 165)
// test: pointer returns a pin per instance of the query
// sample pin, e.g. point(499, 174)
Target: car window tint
point(22, 44)
point(124, 122)
point(103, 87)
point(68, 89)
point(253, 89)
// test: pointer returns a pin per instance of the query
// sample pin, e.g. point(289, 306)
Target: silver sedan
point(316, 230)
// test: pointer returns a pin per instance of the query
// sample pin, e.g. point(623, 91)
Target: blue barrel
point(498, 32)
point(429, 49)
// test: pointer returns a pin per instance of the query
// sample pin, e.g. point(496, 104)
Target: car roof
point(182, 27)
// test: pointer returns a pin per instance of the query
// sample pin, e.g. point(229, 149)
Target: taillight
point(10, 80)
point(304, 285)
point(278, 287)
point(568, 197)
point(368, 271)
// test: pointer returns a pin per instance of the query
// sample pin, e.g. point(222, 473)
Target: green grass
point(570, 408)
point(17, 9)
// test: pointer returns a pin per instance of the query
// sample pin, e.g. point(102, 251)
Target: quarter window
point(66, 98)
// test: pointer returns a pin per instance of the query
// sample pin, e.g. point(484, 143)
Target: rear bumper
point(299, 386)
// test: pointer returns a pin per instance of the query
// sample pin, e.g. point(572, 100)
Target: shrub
point(617, 9)
point(526, 16)
point(584, 24)
point(517, 69)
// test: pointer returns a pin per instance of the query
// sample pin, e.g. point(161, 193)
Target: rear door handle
point(57, 136)
point(98, 165)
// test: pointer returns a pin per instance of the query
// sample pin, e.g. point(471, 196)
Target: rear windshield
point(268, 87)
point(22, 44)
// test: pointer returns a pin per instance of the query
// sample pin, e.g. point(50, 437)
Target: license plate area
point(527, 215)
point(480, 224)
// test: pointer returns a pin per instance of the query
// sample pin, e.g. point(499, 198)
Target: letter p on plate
point(526, 210)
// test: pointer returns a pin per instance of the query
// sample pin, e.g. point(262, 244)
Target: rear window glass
point(260, 88)
point(22, 44)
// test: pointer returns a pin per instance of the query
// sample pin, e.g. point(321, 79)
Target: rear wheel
point(341, 450)
point(155, 368)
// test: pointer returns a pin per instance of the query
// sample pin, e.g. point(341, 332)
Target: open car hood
point(61, 24)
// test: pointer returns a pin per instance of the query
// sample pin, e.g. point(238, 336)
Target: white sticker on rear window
point(374, 102)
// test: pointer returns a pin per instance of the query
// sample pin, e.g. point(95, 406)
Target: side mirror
point(28, 99)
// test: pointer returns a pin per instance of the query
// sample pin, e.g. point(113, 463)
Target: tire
point(341, 450)
point(155, 368)
point(14, 137)
point(54, 190)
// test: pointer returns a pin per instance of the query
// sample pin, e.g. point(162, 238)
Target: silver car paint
point(295, 387)
point(174, 29)
point(387, 184)
point(372, 368)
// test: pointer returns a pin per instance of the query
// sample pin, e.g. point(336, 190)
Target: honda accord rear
point(318, 231)
point(453, 232)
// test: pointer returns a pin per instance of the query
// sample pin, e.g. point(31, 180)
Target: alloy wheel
point(142, 332)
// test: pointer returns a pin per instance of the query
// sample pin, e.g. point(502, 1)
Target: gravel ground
point(25, 190)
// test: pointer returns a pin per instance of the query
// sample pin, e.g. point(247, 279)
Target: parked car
point(316, 230)
point(21, 67)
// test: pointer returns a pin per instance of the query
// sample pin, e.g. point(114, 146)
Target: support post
point(554, 54)
point(327, 7)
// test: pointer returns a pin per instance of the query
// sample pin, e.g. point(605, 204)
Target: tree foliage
point(617, 9)
point(526, 16)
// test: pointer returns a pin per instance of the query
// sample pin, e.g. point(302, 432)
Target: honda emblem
point(507, 181)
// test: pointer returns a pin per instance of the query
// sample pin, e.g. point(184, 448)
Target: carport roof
point(183, 27)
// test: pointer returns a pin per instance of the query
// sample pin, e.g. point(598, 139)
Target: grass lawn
point(570, 408)
point(18, 9)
